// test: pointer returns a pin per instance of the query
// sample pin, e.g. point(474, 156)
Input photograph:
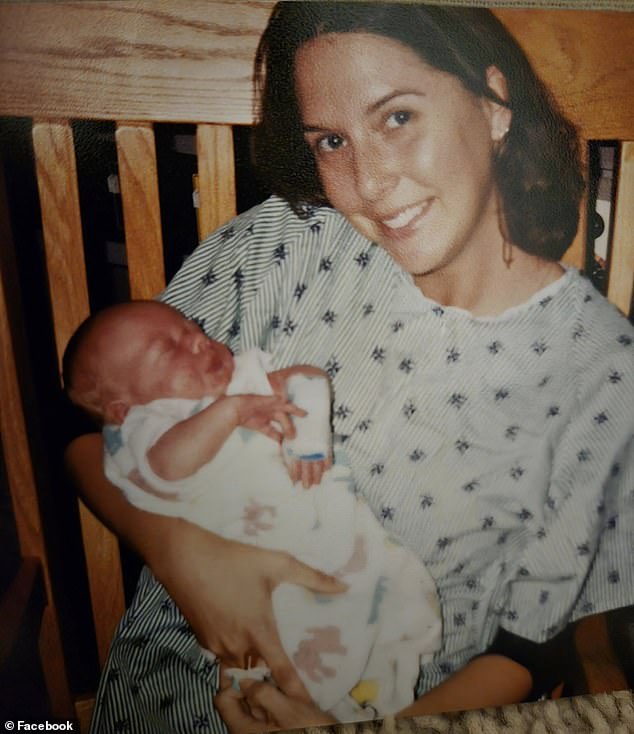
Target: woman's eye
point(398, 118)
point(330, 143)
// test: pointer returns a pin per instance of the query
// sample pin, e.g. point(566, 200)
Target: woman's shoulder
point(275, 218)
point(572, 310)
point(599, 326)
point(600, 349)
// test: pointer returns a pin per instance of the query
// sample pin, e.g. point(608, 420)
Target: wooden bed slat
point(216, 177)
point(621, 265)
point(18, 460)
point(138, 178)
point(572, 50)
point(61, 223)
point(151, 60)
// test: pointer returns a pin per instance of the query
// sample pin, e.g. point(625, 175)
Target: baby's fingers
point(309, 474)
point(294, 470)
point(312, 472)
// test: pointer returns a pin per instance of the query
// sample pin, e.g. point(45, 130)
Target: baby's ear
point(115, 412)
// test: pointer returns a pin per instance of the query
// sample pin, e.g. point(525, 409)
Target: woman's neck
point(490, 285)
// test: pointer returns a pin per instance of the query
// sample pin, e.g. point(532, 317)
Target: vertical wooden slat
point(138, 176)
point(216, 177)
point(61, 223)
point(18, 460)
point(621, 259)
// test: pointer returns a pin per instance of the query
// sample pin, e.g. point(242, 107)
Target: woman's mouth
point(406, 218)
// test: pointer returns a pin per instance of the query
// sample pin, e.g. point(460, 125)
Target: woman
point(427, 186)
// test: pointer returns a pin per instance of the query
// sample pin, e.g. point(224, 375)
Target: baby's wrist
point(231, 409)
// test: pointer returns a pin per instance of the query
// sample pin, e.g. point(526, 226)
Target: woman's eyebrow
point(371, 108)
point(314, 129)
point(391, 96)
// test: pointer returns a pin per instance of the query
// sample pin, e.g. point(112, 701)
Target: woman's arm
point(488, 680)
point(222, 587)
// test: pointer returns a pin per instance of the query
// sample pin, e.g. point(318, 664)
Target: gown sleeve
point(580, 563)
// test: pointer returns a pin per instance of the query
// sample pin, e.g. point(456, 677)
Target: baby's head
point(133, 353)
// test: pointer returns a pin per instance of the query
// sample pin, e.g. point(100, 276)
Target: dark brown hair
point(537, 167)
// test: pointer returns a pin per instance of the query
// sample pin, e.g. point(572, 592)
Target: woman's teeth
point(404, 218)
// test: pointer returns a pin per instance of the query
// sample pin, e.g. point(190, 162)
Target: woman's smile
point(403, 150)
point(404, 224)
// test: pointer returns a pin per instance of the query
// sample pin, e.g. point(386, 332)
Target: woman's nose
point(372, 174)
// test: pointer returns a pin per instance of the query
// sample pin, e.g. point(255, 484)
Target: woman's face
point(403, 150)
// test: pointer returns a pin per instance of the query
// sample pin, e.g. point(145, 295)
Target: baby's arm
point(309, 454)
point(193, 442)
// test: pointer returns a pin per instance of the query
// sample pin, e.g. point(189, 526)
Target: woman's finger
point(232, 707)
point(285, 711)
point(282, 670)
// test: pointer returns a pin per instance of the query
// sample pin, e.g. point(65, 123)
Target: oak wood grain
point(585, 57)
point(156, 60)
point(131, 59)
point(61, 222)
point(216, 177)
point(136, 153)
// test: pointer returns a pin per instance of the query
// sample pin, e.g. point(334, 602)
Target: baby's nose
point(198, 342)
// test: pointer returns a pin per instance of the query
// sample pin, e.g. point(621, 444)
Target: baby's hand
point(308, 471)
point(270, 415)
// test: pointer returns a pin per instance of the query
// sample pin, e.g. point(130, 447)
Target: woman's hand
point(224, 588)
point(261, 706)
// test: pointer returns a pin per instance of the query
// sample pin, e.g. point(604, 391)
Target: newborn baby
point(226, 443)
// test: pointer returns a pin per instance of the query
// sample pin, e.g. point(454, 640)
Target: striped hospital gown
point(499, 448)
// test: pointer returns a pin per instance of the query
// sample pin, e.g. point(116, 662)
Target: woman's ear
point(115, 412)
point(500, 115)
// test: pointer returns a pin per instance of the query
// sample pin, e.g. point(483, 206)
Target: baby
point(222, 441)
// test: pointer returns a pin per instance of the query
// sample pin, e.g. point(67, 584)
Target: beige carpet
point(604, 713)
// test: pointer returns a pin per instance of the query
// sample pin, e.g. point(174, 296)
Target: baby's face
point(154, 352)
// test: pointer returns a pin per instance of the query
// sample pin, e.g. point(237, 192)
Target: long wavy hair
point(537, 167)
